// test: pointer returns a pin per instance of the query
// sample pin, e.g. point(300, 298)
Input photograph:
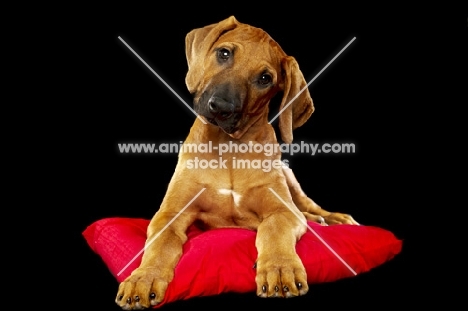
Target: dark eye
point(224, 54)
point(265, 79)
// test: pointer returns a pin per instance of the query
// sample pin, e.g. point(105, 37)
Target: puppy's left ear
point(198, 43)
point(297, 107)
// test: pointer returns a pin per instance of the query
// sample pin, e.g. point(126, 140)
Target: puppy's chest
point(232, 197)
point(224, 207)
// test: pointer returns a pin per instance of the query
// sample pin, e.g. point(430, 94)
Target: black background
point(368, 97)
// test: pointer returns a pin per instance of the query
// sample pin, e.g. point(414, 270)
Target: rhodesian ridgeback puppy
point(234, 71)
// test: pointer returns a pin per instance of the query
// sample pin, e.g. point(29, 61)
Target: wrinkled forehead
point(252, 42)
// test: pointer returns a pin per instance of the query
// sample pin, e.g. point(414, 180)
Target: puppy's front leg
point(147, 285)
point(280, 272)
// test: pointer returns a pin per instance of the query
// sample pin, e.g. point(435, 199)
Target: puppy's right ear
point(297, 105)
point(198, 43)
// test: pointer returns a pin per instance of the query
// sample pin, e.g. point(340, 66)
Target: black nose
point(220, 108)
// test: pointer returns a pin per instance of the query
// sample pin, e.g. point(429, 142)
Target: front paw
point(142, 289)
point(281, 276)
point(340, 219)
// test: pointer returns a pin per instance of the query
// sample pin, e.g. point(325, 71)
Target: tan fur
point(235, 197)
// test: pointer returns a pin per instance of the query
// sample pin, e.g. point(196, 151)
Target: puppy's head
point(234, 71)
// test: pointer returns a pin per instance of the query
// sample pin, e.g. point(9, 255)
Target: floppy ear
point(297, 107)
point(198, 43)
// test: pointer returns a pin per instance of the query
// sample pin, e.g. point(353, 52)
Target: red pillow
point(221, 260)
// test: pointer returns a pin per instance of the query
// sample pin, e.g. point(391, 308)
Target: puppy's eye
point(224, 54)
point(265, 79)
